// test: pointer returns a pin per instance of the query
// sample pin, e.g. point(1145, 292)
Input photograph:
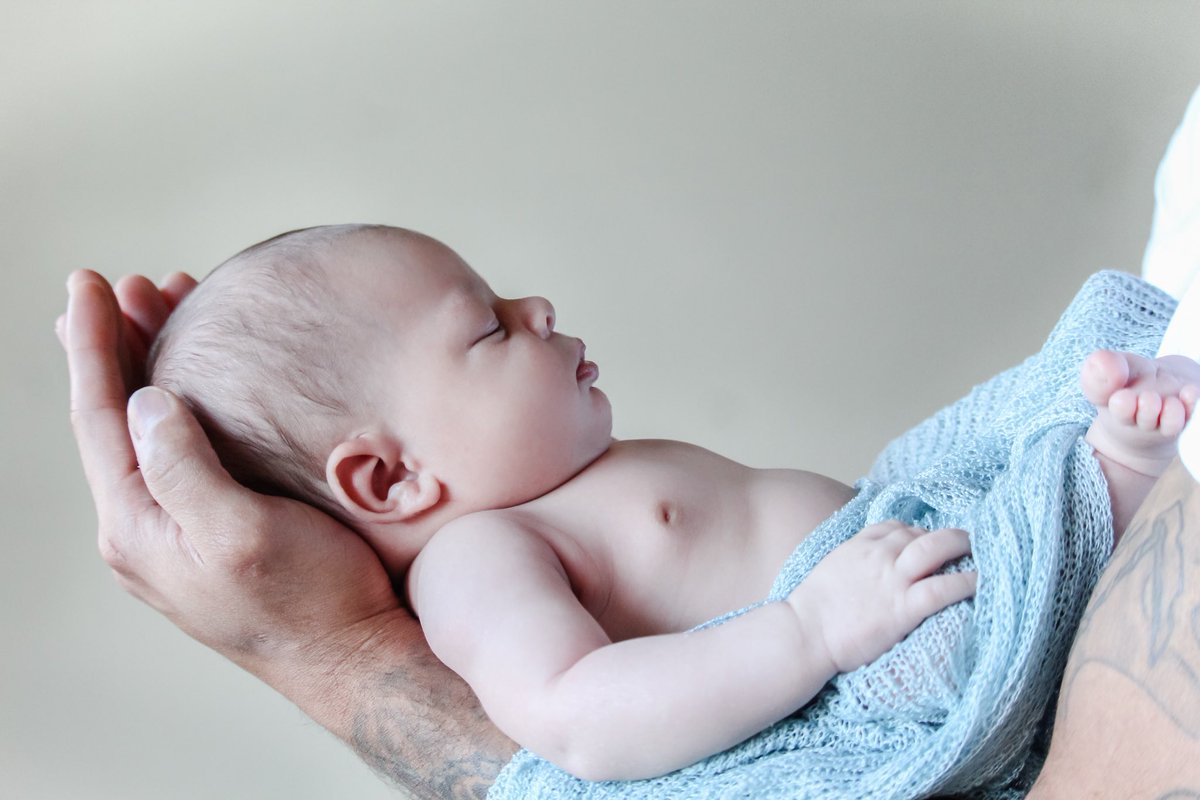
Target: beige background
point(786, 231)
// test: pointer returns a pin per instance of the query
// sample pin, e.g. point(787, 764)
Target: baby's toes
point(1123, 405)
point(1149, 408)
point(1173, 417)
point(1189, 395)
point(1103, 373)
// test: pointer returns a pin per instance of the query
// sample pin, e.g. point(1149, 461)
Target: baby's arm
point(497, 607)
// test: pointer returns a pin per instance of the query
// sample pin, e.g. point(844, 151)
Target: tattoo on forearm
point(1180, 794)
point(1144, 618)
point(428, 737)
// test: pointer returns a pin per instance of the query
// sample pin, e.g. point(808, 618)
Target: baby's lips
point(585, 370)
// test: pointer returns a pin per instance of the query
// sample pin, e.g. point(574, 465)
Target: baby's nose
point(539, 315)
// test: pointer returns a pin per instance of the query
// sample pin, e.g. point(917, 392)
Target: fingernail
point(147, 408)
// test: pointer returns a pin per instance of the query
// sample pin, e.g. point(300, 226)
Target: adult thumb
point(177, 461)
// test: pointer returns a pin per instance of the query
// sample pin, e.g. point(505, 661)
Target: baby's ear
point(370, 478)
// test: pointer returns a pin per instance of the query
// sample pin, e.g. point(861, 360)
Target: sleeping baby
point(369, 371)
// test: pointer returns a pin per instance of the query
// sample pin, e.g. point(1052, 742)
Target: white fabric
point(1183, 334)
point(1183, 338)
point(1172, 256)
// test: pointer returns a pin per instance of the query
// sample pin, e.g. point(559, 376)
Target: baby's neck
point(398, 543)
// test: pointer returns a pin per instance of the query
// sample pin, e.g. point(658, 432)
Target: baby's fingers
point(926, 554)
point(929, 596)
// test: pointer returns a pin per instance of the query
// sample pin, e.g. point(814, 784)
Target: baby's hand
point(876, 587)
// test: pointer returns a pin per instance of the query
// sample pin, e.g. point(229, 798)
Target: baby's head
point(369, 371)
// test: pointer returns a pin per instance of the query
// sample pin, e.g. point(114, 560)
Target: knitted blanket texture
point(964, 704)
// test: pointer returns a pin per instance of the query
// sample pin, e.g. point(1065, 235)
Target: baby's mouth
point(586, 371)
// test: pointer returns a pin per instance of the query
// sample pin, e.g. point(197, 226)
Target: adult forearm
point(412, 720)
point(1128, 721)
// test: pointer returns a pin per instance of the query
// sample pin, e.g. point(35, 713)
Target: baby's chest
point(681, 557)
point(692, 539)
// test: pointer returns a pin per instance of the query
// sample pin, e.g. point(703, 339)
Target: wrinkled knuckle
point(251, 564)
point(249, 643)
point(244, 553)
point(167, 476)
point(232, 552)
point(113, 553)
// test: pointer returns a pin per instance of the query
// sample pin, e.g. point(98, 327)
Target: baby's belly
point(706, 553)
point(791, 504)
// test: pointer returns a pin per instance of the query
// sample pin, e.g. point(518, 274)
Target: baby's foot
point(1143, 405)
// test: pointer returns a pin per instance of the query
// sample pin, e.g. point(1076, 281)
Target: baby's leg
point(1143, 405)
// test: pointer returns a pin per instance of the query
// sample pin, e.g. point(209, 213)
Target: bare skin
point(368, 677)
point(254, 577)
point(568, 615)
point(556, 570)
point(1128, 722)
point(1143, 405)
point(663, 518)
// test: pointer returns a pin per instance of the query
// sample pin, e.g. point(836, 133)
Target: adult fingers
point(175, 287)
point(926, 554)
point(181, 470)
point(98, 395)
point(143, 305)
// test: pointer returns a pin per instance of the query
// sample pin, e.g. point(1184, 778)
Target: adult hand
point(278, 587)
point(265, 581)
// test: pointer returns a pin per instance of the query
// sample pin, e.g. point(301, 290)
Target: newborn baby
point(369, 371)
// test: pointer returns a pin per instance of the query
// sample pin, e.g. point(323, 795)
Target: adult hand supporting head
point(280, 588)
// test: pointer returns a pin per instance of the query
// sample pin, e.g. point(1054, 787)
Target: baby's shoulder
point(476, 551)
point(481, 541)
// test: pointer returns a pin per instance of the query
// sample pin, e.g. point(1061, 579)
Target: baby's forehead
point(422, 265)
point(412, 280)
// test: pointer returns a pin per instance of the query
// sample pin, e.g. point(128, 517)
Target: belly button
point(667, 513)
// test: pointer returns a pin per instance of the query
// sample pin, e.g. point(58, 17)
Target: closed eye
point(492, 330)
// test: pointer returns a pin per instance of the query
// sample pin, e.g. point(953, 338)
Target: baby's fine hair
point(253, 351)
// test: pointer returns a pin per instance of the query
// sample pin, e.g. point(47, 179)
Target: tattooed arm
point(280, 589)
point(416, 723)
point(1128, 722)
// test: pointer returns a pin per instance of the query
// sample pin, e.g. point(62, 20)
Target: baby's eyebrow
point(466, 315)
point(458, 306)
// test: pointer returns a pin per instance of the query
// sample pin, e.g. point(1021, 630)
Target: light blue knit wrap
point(964, 704)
